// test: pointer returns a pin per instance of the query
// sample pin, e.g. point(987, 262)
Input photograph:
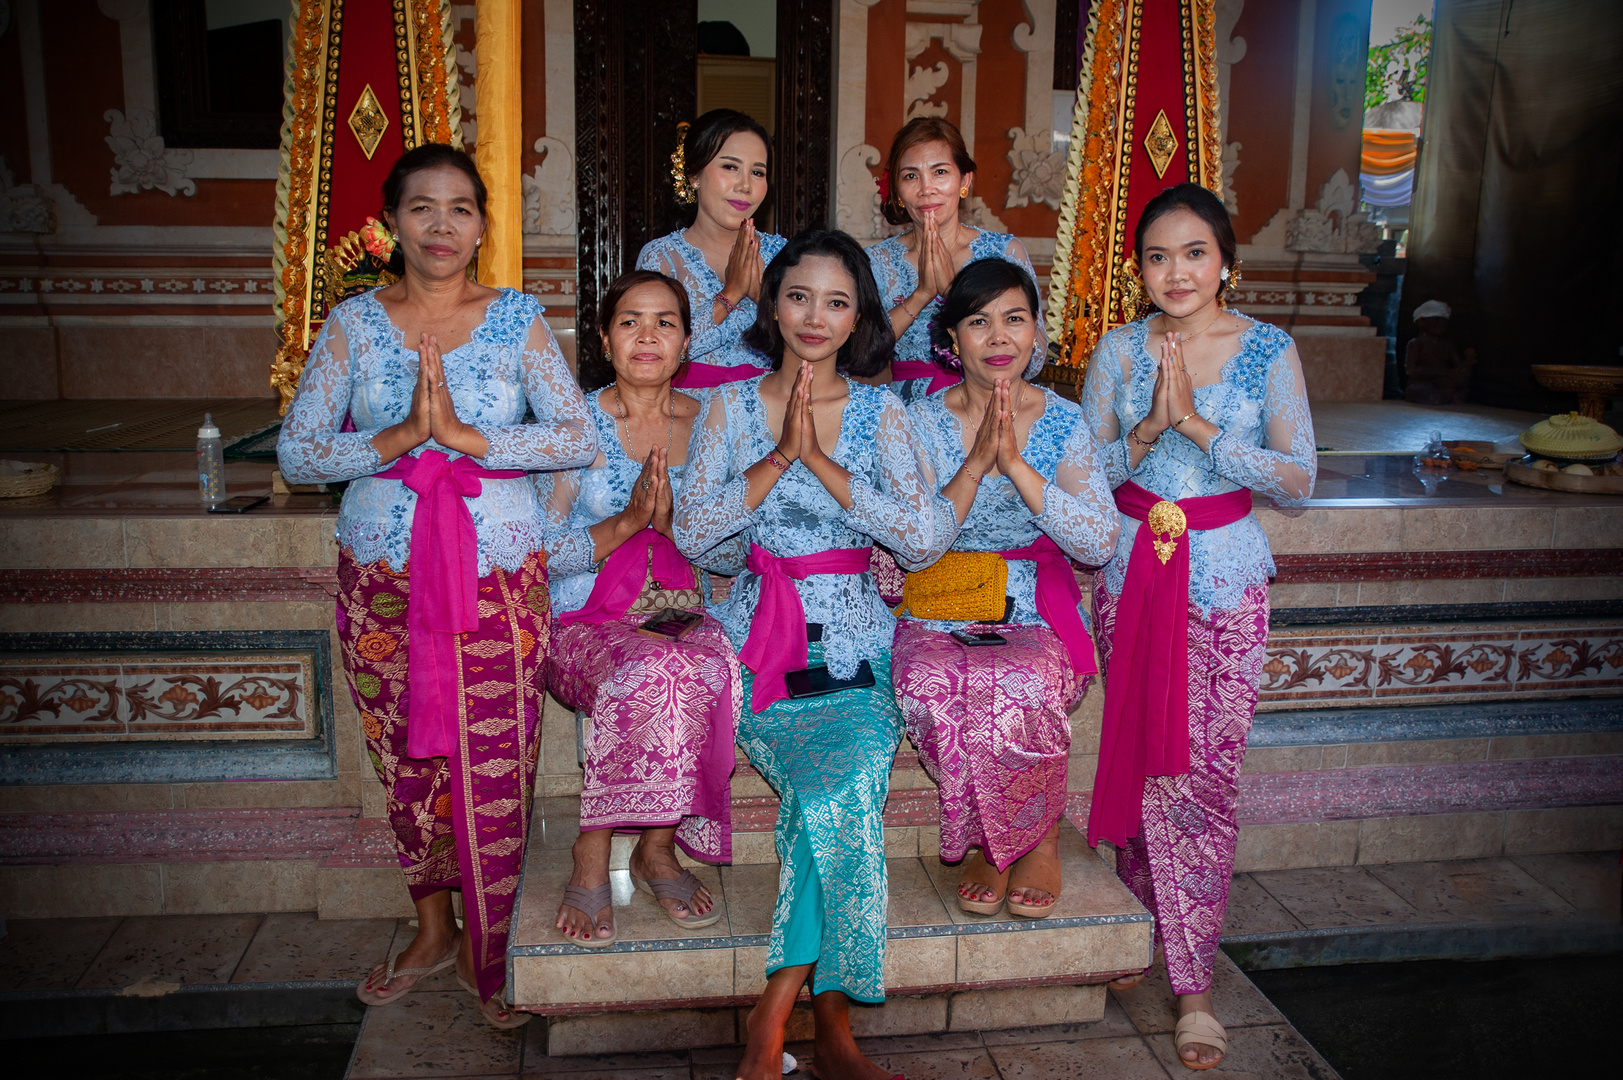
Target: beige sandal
point(977, 871)
point(681, 890)
point(1035, 870)
point(390, 974)
point(494, 1007)
point(1202, 1028)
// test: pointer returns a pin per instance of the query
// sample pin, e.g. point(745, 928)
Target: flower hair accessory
point(947, 358)
point(377, 240)
point(679, 167)
point(884, 185)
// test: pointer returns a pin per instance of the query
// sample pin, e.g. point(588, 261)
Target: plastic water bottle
point(210, 462)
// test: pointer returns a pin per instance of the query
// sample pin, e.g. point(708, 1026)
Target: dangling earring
point(963, 192)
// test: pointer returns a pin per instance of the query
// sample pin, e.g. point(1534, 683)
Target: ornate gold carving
point(1160, 143)
point(1166, 519)
point(368, 122)
point(1200, 55)
point(1130, 287)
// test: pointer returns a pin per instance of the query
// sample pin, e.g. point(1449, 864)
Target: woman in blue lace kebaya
point(663, 711)
point(812, 468)
point(1195, 407)
point(442, 581)
point(721, 165)
point(1021, 470)
point(929, 177)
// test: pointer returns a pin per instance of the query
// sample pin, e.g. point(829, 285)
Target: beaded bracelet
point(721, 298)
point(1132, 436)
point(772, 459)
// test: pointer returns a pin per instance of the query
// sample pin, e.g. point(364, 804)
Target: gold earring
point(963, 192)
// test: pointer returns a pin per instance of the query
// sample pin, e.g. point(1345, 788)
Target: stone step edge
point(190, 1006)
point(593, 1008)
point(1406, 942)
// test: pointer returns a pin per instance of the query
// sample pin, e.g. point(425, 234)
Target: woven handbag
point(961, 586)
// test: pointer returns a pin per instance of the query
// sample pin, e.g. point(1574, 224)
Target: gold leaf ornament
point(1160, 143)
point(1166, 518)
point(368, 122)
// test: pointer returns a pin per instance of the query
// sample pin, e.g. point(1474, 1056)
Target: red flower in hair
point(884, 185)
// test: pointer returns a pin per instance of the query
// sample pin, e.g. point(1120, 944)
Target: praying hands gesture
point(650, 504)
point(1173, 404)
point(799, 442)
point(935, 276)
point(432, 416)
point(744, 269)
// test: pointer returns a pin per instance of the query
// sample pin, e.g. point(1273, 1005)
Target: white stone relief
point(467, 62)
point(1333, 226)
point(1230, 51)
point(922, 83)
point(978, 214)
point(24, 208)
point(1039, 169)
point(858, 195)
point(140, 162)
point(549, 191)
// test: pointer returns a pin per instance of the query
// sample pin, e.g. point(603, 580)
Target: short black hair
point(705, 138)
point(868, 349)
point(972, 288)
point(1198, 201)
point(431, 156)
point(610, 307)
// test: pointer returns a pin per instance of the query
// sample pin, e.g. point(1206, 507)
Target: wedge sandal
point(589, 902)
point(681, 890)
point(1034, 870)
point(1202, 1028)
point(977, 871)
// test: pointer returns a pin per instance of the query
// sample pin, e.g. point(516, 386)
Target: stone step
point(935, 951)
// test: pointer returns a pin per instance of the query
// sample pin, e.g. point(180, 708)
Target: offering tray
point(1523, 471)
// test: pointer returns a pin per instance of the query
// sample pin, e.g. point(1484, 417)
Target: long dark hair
point(972, 288)
point(868, 349)
point(427, 156)
point(1198, 201)
point(705, 137)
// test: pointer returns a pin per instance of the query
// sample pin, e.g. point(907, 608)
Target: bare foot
point(1198, 1054)
point(655, 857)
point(835, 1055)
point(591, 852)
point(763, 1056)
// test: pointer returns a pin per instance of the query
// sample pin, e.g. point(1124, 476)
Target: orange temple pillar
point(498, 38)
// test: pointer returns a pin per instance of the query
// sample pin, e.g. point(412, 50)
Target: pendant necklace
point(670, 428)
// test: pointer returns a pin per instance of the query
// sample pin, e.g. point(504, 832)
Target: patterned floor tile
point(1336, 896)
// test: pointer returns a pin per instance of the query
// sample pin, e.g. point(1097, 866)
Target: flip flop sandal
point(1127, 982)
point(589, 902)
point(494, 1006)
point(1203, 1028)
point(681, 890)
point(977, 871)
point(1035, 870)
point(391, 973)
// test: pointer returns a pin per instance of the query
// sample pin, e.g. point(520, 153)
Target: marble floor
point(437, 1031)
point(1383, 427)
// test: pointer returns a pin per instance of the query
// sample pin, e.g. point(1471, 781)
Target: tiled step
point(1097, 931)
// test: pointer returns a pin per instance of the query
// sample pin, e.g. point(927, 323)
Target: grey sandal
point(391, 973)
point(589, 902)
point(681, 890)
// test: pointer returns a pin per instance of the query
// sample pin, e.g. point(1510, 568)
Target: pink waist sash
point(777, 641)
point(940, 378)
point(620, 578)
point(702, 376)
point(1057, 598)
point(1146, 716)
point(444, 570)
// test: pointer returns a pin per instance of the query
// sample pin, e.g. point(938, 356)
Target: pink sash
point(940, 378)
point(1146, 716)
point(444, 570)
point(777, 641)
point(1057, 598)
point(701, 376)
point(620, 578)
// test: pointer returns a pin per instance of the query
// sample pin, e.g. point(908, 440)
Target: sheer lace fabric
point(712, 342)
point(360, 367)
point(1078, 512)
point(573, 500)
point(1266, 444)
point(897, 278)
point(893, 505)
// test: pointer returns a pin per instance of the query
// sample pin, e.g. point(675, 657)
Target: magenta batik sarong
point(663, 716)
point(459, 822)
point(1182, 860)
point(991, 729)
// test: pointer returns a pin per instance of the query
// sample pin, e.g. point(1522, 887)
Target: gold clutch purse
point(961, 586)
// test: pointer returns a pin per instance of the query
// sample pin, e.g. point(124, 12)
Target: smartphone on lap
point(816, 681)
point(671, 625)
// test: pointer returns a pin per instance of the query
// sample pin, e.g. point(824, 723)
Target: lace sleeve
point(1106, 373)
point(569, 549)
point(711, 508)
point(905, 513)
point(311, 449)
point(708, 335)
point(1078, 512)
point(1287, 463)
point(565, 436)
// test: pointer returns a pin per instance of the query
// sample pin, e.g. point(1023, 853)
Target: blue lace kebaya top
point(897, 278)
point(1266, 444)
point(892, 504)
point(712, 342)
point(1078, 513)
point(573, 500)
point(360, 366)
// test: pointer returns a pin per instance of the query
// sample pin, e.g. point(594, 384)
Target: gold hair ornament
point(685, 192)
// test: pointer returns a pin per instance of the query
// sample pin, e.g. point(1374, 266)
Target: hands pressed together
point(744, 270)
point(1173, 403)
point(432, 415)
point(651, 502)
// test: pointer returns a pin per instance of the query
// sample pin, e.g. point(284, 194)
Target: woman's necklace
point(1210, 323)
point(670, 429)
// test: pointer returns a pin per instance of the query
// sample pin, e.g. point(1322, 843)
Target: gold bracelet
point(1179, 423)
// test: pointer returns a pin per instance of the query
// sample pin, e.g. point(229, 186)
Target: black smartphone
point(816, 681)
point(671, 624)
point(239, 504)
point(978, 637)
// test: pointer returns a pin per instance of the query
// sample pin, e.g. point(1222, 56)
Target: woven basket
point(20, 478)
